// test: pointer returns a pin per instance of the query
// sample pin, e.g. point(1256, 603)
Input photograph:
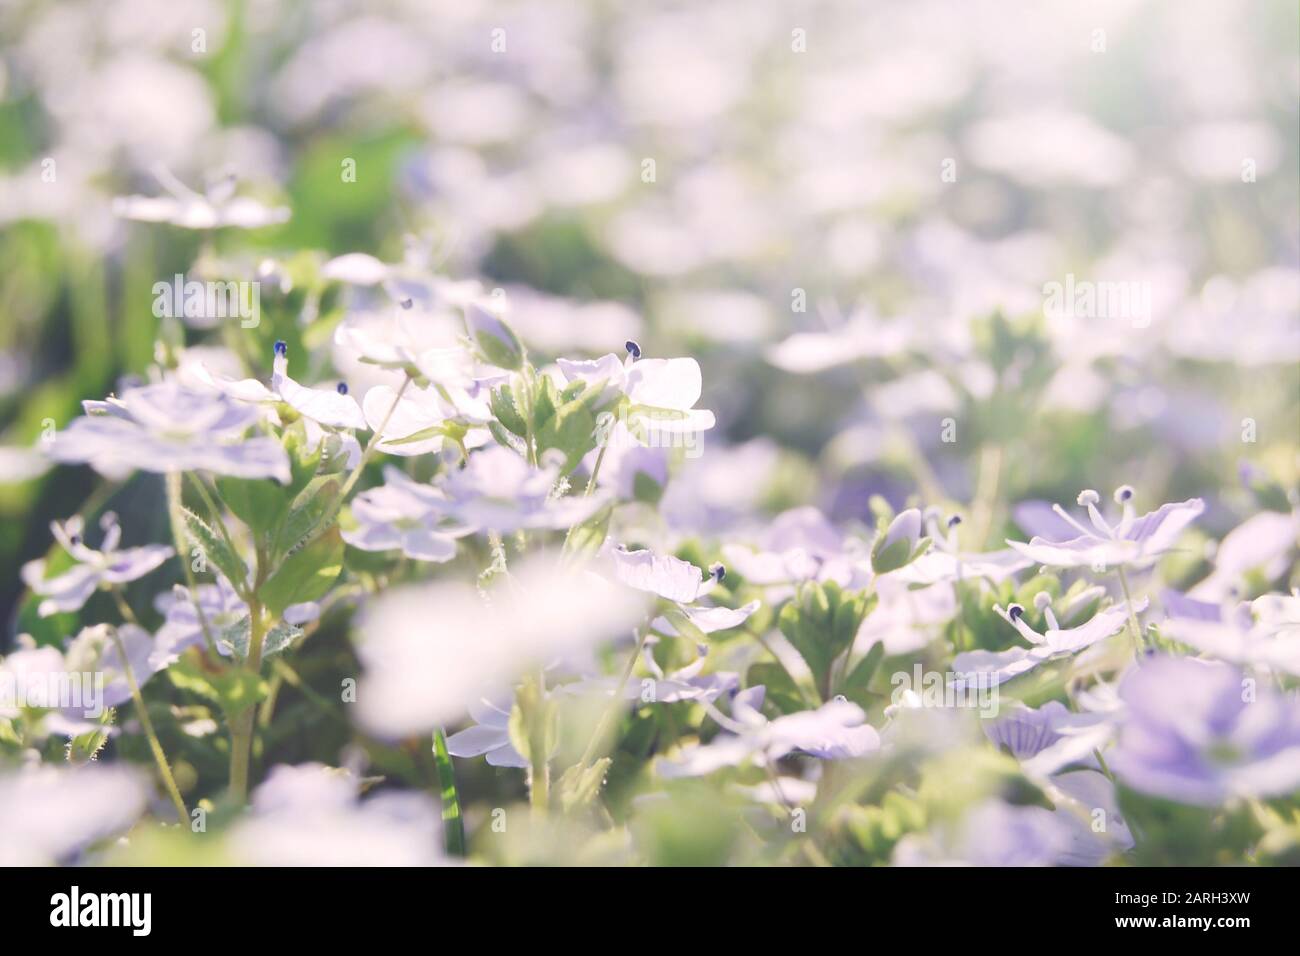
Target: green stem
point(1101, 762)
point(369, 450)
point(595, 470)
point(1138, 643)
point(142, 712)
point(241, 726)
point(452, 825)
point(591, 486)
point(355, 475)
point(182, 552)
point(615, 704)
point(539, 780)
point(526, 398)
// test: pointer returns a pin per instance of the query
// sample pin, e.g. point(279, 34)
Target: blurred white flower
point(217, 208)
point(49, 814)
point(313, 815)
point(431, 652)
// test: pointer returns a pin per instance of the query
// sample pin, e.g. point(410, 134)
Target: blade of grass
point(452, 824)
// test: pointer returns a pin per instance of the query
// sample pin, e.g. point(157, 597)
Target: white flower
point(862, 336)
point(404, 515)
point(900, 543)
point(1263, 633)
point(498, 491)
point(945, 561)
point(685, 683)
point(400, 337)
point(19, 464)
point(169, 428)
point(799, 545)
point(662, 574)
point(37, 688)
point(835, 731)
point(107, 566)
point(416, 412)
point(661, 392)
point(990, 668)
point(1131, 541)
point(356, 268)
point(1264, 540)
point(490, 735)
point(329, 407)
point(682, 583)
point(222, 608)
point(906, 618)
point(191, 210)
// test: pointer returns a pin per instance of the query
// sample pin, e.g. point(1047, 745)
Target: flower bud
point(900, 544)
point(494, 340)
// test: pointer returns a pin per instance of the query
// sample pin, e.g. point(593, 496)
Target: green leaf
point(86, 747)
point(683, 626)
point(235, 689)
point(779, 689)
point(504, 437)
point(497, 342)
point(821, 622)
point(215, 549)
point(306, 574)
point(304, 458)
point(544, 403)
point(424, 434)
point(534, 724)
point(579, 786)
point(587, 537)
point(571, 429)
point(308, 510)
point(860, 676)
point(236, 638)
point(646, 489)
point(503, 406)
point(258, 502)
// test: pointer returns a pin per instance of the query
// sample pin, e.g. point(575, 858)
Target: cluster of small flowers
point(495, 466)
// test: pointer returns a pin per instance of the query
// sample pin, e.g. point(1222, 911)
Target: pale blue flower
point(1201, 733)
point(404, 515)
point(835, 731)
point(498, 491)
point(94, 650)
point(1262, 633)
point(1130, 542)
point(489, 736)
point(107, 566)
point(985, 668)
point(169, 428)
